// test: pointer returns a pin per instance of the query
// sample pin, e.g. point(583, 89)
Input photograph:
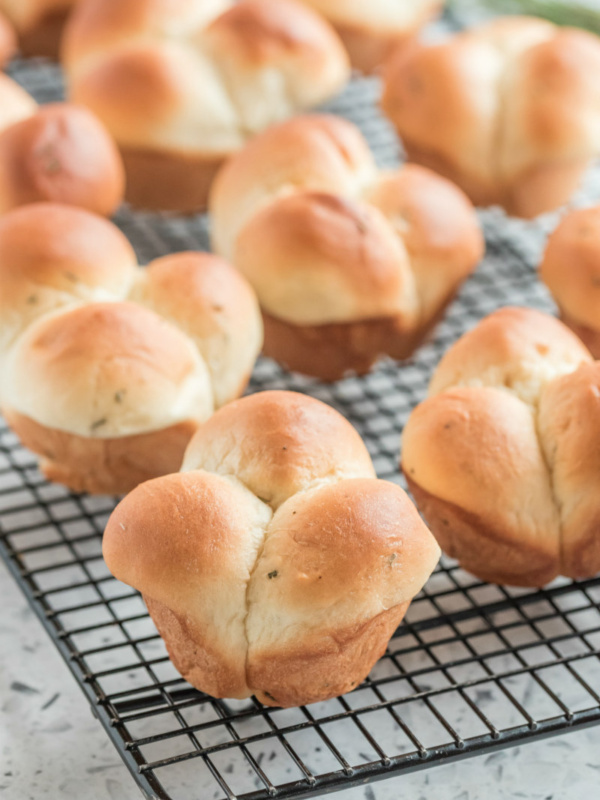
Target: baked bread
point(509, 110)
point(8, 40)
point(503, 459)
point(107, 369)
point(183, 85)
point(372, 31)
point(348, 262)
point(275, 564)
point(39, 23)
point(571, 270)
point(59, 153)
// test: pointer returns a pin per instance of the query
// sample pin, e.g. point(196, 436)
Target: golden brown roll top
point(277, 565)
point(498, 458)
point(39, 23)
point(59, 153)
point(204, 296)
point(570, 268)
point(186, 80)
point(233, 45)
point(318, 153)
point(278, 444)
point(106, 370)
point(508, 110)
point(96, 27)
point(517, 349)
point(435, 222)
point(256, 37)
point(52, 256)
point(372, 31)
point(326, 239)
point(314, 258)
point(93, 348)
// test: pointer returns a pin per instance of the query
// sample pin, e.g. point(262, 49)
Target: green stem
point(577, 14)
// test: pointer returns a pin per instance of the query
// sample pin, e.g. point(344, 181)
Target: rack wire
point(474, 667)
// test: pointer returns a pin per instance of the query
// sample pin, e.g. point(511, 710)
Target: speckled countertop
point(52, 747)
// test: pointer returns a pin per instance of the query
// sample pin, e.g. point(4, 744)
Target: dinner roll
point(348, 262)
point(59, 153)
point(183, 85)
point(107, 369)
point(39, 23)
point(571, 270)
point(372, 31)
point(275, 564)
point(502, 458)
point(509, 110)
point(62, 153)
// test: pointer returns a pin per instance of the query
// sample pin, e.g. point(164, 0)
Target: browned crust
point(62, 154)
point(581, 553)
point(330, 352)
point(544, 187)
point(479, 548)
point(536, 191)
point(193, 657)
point(43, 39)
point(103, 466)
point(589, 336)
point(479, 192)
point(8, 41)
point(369, 50)
point(327, 667)
point(333, 666)
point(162, 181)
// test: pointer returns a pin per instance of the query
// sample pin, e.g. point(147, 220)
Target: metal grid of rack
point(474, 667)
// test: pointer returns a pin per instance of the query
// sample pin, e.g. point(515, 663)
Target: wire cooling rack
point(474, 667)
